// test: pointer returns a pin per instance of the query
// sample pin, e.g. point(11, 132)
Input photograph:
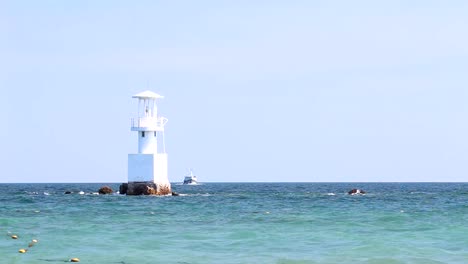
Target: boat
point(190, 179)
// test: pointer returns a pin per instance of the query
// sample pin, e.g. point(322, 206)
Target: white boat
point(190, 178)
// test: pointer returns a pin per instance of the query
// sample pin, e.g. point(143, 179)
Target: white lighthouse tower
point(147, 170)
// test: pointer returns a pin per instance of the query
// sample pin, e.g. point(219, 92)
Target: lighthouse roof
point(147, 95)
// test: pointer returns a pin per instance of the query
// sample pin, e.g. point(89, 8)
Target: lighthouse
point(147, 169)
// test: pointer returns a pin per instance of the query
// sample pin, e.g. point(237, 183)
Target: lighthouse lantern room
point(147, 170)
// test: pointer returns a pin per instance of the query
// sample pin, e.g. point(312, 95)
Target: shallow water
point(238, 223)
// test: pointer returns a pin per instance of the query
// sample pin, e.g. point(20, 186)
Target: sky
point(255, 91)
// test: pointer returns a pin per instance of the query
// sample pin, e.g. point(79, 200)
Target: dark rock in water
point(67, 192)
point(151, 190)
point(141, 189)
point(147, 188)
point(356, 191)
point(123, 188)
point(105, 190)
point(175, 194)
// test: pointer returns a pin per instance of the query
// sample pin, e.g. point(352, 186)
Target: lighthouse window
point(154, 133)
point(142, 133)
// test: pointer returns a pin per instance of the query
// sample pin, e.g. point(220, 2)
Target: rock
point(67, 192)
point(105, 190)
point(147, 188)
point(175, 194)
point(140, 189)
point(356, 191)
point(151, 190)
point(123, 188)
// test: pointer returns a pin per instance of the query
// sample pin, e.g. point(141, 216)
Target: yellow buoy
point(22, 250)
point(14, 236)
point(75, 260)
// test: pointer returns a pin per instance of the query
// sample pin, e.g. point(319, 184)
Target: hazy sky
point(254, 90)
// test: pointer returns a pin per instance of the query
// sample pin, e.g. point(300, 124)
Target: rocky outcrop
point(123, 188)
point(356, 191)
point(139, 189)
point(147, 188)
point(105, 190)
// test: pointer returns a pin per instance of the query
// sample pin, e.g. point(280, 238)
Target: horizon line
point(246, 182)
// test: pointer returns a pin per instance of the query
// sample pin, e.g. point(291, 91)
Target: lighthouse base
point(145, 188)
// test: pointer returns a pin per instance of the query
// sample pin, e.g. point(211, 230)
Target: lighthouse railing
point(148, 123)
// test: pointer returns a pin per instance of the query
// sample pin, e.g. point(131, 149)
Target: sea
point(237, 223)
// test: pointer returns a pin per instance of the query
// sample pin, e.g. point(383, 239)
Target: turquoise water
point(238, 223)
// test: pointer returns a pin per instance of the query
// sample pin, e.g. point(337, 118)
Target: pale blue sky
point(255, 90)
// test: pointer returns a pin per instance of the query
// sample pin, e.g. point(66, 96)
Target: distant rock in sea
point(356, 191)
point(105, 190)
